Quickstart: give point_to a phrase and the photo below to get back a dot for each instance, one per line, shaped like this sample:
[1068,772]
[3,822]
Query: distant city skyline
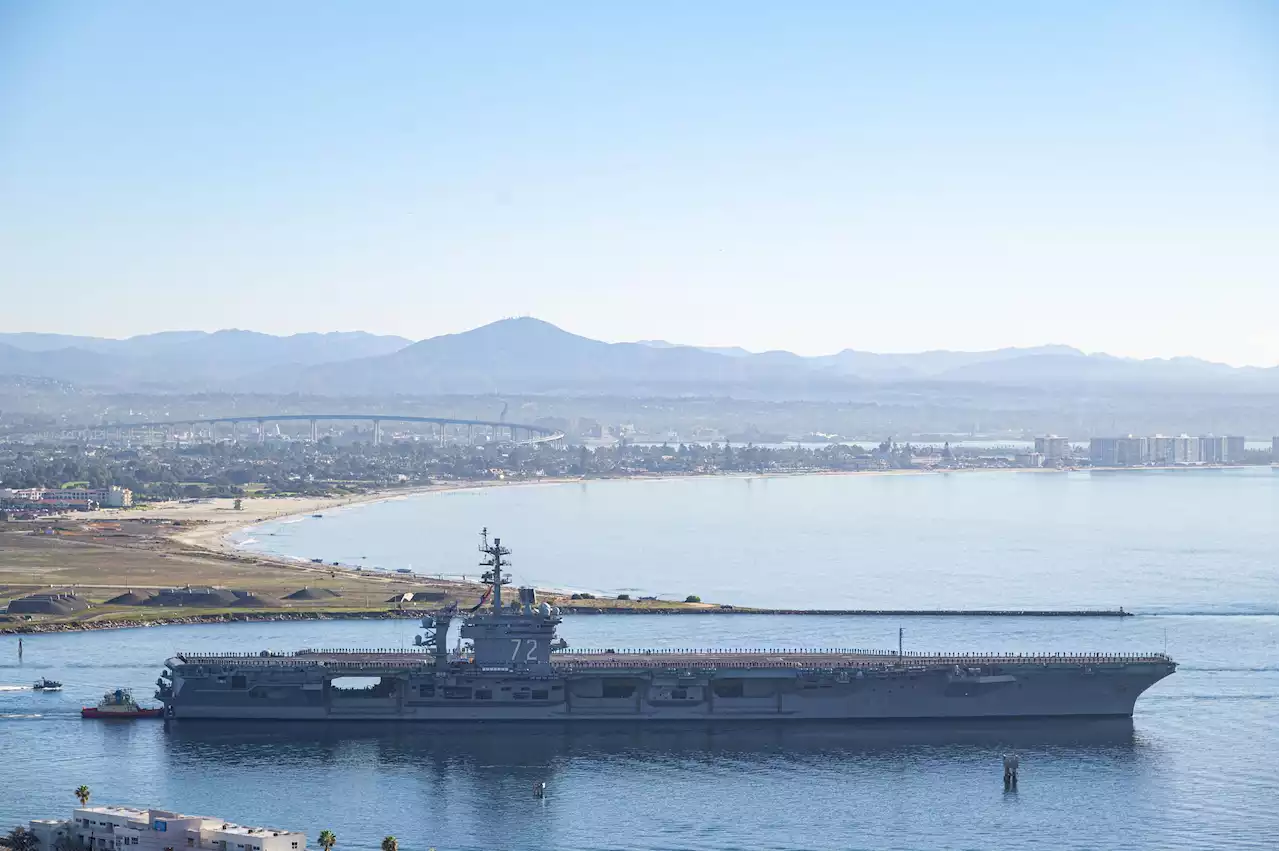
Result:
[807,179]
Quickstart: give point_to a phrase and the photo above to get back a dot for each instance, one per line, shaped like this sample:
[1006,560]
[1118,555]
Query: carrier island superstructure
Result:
[513,668]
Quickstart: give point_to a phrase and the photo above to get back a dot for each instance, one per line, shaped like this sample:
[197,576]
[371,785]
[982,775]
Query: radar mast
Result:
[494,561]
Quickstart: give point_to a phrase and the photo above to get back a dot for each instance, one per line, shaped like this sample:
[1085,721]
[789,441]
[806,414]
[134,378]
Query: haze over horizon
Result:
[835,176]
[5,333]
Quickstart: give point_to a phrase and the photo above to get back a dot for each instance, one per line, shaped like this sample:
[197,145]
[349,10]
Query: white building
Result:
[112,497]
[1160,449]
[1213,449]
[1053,447]
[1235,449]
[1125,451]
[1186,450]
[116,828]
[1173,450]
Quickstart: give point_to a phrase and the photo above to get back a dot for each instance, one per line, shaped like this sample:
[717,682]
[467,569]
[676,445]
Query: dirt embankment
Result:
[151,568]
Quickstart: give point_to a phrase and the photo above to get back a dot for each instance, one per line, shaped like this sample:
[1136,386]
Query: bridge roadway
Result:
[534,433]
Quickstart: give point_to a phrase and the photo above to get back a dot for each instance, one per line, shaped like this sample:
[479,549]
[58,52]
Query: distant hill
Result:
[890,367]
[36,342]
[528,355]
[524,353]
[179,359]
[301,348]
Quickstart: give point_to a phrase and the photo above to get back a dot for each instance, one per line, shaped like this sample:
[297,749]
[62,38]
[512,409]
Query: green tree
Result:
[390,843]
[82,793]
[693,598]
[327,840]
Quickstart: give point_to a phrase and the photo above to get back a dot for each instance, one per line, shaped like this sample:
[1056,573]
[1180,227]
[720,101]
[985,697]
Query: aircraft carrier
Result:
[510,666]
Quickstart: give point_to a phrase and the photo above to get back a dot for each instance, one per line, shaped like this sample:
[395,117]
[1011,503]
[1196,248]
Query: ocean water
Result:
[1150,541]
[1197,768]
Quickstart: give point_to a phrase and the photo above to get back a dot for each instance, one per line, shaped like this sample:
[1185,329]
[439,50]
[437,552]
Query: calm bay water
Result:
[1197,767]
[1168,541]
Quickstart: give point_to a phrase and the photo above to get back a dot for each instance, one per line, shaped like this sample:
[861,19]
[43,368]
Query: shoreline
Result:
[202,531]
[216,540]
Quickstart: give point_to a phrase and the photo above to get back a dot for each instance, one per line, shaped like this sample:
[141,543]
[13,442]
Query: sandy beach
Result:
[209,524]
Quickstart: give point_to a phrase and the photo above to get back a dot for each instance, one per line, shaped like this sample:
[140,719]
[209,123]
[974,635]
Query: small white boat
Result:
[47,685]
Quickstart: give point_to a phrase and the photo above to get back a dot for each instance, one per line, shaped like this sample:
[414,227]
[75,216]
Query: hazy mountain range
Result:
[180,359]
[529,355]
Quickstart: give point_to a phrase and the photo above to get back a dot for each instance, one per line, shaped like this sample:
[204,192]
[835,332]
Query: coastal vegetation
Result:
[327,840]
[277,468]
[82,795]
[335,467]
[20,839]
[390,843]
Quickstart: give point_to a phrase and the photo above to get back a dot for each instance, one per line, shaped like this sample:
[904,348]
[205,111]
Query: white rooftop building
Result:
[117,828]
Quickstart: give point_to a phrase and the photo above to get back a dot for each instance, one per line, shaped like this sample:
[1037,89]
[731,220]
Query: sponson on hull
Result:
[515,668]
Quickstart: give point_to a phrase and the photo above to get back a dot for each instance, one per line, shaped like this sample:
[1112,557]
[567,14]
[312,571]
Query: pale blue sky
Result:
[808,176]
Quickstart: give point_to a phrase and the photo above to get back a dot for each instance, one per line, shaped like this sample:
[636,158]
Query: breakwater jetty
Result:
[910,613]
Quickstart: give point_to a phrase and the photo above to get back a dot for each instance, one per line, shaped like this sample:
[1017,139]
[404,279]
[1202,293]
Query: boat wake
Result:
[15,688]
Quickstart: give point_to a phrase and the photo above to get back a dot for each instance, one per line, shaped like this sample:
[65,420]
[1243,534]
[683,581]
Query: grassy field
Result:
[100,560]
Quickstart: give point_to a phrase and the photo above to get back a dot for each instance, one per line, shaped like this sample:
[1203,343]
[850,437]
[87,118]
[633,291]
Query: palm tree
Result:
[390,843]
[327,840]
[82,792]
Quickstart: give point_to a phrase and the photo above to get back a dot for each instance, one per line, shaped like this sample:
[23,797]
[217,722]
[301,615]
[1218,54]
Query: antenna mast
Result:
[494,561]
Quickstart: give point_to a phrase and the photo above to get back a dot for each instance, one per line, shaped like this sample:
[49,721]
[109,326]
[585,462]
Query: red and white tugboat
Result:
[119,704]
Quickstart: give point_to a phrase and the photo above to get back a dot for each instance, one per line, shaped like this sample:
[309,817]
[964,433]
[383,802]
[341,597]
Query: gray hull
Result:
[228,689]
